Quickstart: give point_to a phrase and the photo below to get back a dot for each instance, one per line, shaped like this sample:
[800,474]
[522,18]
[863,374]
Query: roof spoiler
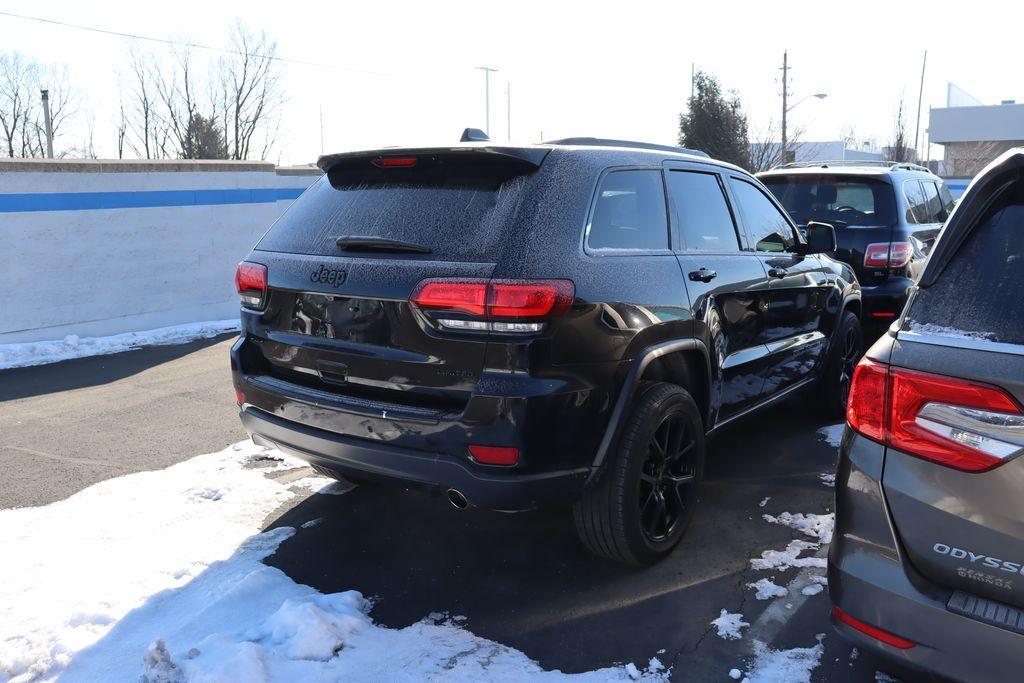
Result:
[607,142]
[981,195]
[410,164]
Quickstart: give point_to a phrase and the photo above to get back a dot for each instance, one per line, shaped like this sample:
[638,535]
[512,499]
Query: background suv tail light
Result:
[888,254]
[948,420]
[481,305]
[251,283]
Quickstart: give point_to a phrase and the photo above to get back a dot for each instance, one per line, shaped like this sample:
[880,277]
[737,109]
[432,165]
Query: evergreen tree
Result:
[715,123]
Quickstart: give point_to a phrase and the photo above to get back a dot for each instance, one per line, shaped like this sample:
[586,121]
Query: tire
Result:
[621,518]
[834,387]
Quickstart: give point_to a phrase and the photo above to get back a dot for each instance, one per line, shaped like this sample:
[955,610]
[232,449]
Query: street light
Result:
[786,110]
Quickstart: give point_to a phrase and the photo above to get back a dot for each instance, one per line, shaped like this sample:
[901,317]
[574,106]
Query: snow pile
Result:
[73,346]
[833,434]
[812,589]
[815,526]
[767,589]
[828,479]
[784,666]
[784,559]
[158,576]
[729,625]
[951,332]
[764,501]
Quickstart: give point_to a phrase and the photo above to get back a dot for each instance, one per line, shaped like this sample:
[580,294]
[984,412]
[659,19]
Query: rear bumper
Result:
[871,580]
[883,303]
[413,469]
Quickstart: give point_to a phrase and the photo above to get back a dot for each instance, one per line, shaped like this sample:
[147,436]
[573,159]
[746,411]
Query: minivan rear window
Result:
[978,292]
[836,199]
[454,221]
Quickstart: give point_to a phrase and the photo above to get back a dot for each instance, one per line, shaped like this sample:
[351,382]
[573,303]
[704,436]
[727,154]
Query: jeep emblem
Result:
[334,277]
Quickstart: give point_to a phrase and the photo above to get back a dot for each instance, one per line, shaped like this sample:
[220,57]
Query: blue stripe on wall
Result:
[85,201]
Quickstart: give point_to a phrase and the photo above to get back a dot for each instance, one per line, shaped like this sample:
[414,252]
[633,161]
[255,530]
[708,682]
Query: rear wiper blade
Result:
[357,243]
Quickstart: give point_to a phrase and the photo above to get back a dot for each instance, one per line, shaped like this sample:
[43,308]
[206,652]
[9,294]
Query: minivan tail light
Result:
[888,254]
[251,283]
[510,306]
[951,421]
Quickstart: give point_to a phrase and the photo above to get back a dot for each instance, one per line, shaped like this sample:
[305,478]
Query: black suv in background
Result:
[886,215]
[927,558]
[534,325]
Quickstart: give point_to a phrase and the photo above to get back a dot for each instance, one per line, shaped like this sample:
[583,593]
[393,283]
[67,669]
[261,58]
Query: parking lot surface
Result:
[522,580]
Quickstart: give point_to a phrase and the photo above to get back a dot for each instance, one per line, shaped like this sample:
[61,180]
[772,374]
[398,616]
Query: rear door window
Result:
[704,216]
[767,227]
[629,212]
[979,290]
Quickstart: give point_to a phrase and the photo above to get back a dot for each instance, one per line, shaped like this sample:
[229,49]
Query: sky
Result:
[404,73]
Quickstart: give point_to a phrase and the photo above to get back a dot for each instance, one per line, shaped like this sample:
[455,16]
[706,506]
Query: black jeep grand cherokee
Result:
[530,325]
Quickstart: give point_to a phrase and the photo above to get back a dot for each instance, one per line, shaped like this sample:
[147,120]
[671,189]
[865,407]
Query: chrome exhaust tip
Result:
[457,500]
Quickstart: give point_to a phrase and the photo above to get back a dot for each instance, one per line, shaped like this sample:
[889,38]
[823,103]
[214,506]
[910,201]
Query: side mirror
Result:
[821,238]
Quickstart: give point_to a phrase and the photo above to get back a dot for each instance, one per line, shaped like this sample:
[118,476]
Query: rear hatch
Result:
[954,475]
[861,208]
[343,261]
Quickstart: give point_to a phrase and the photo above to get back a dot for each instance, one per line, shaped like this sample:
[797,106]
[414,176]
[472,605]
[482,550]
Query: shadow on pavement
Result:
[78,373]
[525,581]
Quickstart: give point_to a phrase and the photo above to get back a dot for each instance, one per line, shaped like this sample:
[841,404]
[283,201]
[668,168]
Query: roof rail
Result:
[605,142]
[891,165]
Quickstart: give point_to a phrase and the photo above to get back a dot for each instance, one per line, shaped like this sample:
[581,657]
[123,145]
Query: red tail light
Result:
[251,283]
[873,631]
[948,420]
[498,305]
[888,254]
[495,455]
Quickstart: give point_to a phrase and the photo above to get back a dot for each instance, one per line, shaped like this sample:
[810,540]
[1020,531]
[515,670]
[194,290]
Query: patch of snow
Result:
[828,478]
[324,485]
[833,434]
[784,559]
[882,677]
[767,589]
[72,346]
[819,579]
[815,526]
[735,674]
[812,589]
[729,625]
[854,653]
[159,577]
[943,331]
[764,501]
[312,523]
[784,666]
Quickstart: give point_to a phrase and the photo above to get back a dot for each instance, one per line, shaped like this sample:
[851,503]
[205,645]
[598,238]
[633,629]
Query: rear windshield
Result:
[453,221]
[839,200]
[979,291]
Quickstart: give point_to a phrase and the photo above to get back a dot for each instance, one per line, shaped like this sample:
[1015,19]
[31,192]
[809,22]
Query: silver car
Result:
[927,562]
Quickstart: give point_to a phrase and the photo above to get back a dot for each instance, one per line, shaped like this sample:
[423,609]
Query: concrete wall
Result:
[95,248]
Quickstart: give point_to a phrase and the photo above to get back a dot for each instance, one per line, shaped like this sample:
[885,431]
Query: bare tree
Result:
[766,151]
[899,149]
[21,113]
[143,130]
[251,94]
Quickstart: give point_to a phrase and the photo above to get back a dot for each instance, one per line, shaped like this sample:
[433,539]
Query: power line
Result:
[182,43]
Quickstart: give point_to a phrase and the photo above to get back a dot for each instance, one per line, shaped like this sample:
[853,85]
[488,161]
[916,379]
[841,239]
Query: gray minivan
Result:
[927,561]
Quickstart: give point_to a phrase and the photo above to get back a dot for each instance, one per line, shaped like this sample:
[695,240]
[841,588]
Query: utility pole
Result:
[508,111]
[49,124]
[487,97]
[920,96]
[785,103]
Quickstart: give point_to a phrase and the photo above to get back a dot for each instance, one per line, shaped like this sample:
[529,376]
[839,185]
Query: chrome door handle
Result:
[703,275]
[778,272]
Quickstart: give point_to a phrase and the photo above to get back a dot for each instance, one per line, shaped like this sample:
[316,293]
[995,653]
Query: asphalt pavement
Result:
[520,579]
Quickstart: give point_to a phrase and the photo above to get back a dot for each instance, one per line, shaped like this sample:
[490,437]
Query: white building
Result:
[973,134]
